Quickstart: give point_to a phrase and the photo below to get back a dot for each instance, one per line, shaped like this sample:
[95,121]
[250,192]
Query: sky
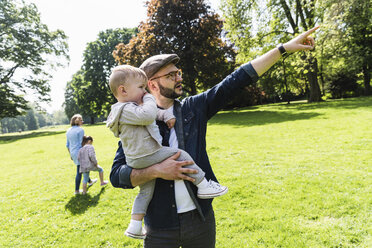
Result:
[82,20]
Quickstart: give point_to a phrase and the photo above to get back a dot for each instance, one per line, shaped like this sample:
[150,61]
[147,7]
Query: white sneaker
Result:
[93,181]
[79,192]
[213,189]
[136,234]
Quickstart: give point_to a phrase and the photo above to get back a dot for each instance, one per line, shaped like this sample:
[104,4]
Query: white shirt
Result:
[183,200]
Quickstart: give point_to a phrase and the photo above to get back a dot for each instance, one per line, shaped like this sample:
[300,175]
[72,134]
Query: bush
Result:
[344,85]
[248,96]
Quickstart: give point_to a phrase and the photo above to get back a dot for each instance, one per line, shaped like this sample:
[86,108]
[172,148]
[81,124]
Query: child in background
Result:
[88,162]
[132,119]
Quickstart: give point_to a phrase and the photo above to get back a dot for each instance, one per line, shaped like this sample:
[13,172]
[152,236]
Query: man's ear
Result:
[152,85]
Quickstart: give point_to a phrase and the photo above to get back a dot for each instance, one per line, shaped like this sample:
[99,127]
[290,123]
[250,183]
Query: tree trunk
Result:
[285,84]
[367,80]
[91,120]
[321,70]
[312,76]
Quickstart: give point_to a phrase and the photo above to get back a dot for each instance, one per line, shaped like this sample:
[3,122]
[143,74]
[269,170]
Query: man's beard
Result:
[168,93]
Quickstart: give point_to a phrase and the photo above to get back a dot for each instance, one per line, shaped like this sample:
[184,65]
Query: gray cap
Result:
[153,64]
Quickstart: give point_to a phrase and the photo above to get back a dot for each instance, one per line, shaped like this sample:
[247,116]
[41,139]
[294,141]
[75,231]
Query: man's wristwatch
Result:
[282,50]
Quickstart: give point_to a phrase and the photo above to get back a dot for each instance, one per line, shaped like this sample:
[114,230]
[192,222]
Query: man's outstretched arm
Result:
[299,43]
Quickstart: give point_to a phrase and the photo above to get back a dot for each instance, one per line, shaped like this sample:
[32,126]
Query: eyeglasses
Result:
[171,75]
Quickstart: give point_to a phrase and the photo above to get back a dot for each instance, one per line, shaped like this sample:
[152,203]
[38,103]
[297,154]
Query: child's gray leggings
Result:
[147,189]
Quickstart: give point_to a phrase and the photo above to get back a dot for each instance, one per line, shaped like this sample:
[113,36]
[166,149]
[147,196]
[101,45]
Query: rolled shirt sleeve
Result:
[120,172]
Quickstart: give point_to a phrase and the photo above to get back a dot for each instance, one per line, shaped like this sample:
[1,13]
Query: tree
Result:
[9,125]
[26,46]
[98,62]
[343,85]
[70,104]
[250,24]
[351,23]
[359,23]
[59,117]
[31,121]
[41,119]
[79,97]
[88,93]
[188,28]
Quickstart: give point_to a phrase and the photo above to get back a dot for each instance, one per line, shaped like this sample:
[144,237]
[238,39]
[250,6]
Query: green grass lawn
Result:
[299,175]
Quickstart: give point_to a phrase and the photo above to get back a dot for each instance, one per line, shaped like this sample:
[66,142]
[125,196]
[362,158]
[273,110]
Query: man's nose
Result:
[178,78]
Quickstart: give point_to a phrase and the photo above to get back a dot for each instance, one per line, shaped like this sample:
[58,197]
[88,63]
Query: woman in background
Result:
[74,137]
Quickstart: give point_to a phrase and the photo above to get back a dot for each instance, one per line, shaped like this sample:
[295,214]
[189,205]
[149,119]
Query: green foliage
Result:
[70,104]
[299,175]
[77,96]
[59,117]
[345,40]
[28,50]
[343,85]
[32,120]
[41,119]
[255,27]
[191,30]
[10,125]
[286,80]
[98,62]
[88,92]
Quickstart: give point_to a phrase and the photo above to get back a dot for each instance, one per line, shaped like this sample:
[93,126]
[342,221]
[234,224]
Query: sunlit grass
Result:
[299,175]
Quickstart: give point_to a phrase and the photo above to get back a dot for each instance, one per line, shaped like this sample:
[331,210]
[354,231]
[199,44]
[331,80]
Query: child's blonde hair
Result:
[122,74]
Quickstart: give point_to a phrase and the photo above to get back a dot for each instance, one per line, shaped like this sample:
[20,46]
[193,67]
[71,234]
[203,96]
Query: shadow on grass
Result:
[254,118]
[78,204]
[250,116]
[346,103]
[11,138]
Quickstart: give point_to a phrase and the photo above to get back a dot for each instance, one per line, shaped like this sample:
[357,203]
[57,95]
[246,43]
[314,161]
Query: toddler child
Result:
[132,119]
[88,162]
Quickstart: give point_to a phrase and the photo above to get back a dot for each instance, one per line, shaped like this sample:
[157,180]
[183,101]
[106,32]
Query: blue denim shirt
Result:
[194,111]
[74,137]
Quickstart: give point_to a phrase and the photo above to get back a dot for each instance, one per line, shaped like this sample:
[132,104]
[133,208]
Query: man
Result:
[175,216]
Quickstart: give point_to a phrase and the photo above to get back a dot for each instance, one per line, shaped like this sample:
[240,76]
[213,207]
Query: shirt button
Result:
[171,185]
[173,206]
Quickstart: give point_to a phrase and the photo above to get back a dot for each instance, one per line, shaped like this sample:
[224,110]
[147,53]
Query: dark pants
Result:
[192,233]
[78,178]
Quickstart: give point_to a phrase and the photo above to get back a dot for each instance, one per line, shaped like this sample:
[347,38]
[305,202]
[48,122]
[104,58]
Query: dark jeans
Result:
[78,178]
[192,233]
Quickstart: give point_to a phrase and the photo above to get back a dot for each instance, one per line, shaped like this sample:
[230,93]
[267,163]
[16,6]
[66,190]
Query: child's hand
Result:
[171,122]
